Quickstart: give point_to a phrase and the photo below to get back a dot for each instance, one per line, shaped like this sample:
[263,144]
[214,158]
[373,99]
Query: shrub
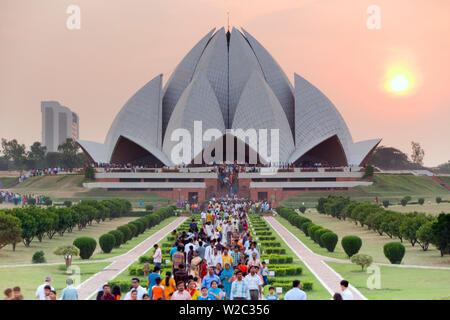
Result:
[305,227]
[86,245]
[404,202]
[133,229]
[312,229]
[386,203]
[31,201]
[38,257]
[139,226]
[318,234]
[47,201]
[368,171]
[361,259]
[329,240]
[143,259]
[394,251]
[149,207]
[438,200]
[302,209]
[127,235]
[118,237]
[421,201]
[68,203]
[351,245]
[107,242]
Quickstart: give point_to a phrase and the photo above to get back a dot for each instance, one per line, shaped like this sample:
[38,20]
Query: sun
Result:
[399,80]
[399,83]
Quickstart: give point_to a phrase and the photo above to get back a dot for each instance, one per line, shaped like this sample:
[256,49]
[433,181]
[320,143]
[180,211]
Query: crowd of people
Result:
[18,198]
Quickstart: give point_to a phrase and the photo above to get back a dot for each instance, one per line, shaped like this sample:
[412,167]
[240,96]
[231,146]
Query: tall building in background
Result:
[58,124]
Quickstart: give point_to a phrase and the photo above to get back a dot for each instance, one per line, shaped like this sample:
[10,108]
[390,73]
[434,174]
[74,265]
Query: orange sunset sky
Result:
[122,44]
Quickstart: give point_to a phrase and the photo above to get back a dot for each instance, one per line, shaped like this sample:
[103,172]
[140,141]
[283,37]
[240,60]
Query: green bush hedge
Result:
[270,250]
[127,235]
[86,245]
[306,285]
[285,270]
[394,251]
[118,237]
[306,226]
[107,242]
[329,240]
[277,259]
[351,245]
[38,257]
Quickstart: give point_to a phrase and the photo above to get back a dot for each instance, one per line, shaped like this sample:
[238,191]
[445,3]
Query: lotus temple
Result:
[228,80]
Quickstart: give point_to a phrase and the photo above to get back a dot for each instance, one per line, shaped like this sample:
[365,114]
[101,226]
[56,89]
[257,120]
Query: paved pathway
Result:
[89,287]
[327,276]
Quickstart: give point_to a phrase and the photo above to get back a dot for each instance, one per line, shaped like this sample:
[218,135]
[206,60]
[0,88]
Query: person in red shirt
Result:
[107,295]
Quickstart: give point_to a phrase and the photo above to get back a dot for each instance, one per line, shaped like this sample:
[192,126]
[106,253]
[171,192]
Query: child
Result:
[204,294]
[158,290]
[265,273]
[197,284]
[272,295]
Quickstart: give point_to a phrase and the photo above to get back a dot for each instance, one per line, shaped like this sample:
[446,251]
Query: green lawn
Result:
[372,242]
[389,187]
[445,179]
[6,181]
[22,255]
[399,283]
[100,255]
[29,278]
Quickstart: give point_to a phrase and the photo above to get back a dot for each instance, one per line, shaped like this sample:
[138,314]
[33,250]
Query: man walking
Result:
[346,293]
[254,284]
[69,292]
[295,293]
[40,293]
[239,289]
[157,256]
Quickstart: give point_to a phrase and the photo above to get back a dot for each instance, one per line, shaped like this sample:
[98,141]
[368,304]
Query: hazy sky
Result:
[122,44]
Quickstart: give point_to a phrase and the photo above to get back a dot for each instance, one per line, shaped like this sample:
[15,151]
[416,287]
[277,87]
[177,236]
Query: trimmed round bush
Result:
[302,209]
[351,245]
[312,229]
[139,225]
[133,229]
[107,242]
[127,235]
[329,240]
[149,207]
[38,257]
[86,245]
[305,227]
[318,234]
[118,237]
[394,251]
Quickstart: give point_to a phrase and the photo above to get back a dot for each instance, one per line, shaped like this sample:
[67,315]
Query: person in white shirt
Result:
[295,293]
[203,217]
[40,292]
[254,284]
[346,293]
[209,250]
[135,285]
[157,256]
[214,259]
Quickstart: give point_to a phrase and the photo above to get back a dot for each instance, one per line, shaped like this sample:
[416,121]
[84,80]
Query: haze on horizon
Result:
[123,44]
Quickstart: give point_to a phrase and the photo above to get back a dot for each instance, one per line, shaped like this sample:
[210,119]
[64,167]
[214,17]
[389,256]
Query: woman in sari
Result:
[193,290]
[195,265]
[203,269]
[225,277]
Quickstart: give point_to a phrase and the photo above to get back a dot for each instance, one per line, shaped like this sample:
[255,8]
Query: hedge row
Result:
[417,228]
[115,238]
[324,237]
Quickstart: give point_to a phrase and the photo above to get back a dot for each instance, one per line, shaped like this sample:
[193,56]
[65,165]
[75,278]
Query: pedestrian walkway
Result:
[316,263]
[90,287]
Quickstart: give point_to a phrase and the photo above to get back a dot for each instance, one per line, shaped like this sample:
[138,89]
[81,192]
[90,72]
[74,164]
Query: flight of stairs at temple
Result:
[437,180]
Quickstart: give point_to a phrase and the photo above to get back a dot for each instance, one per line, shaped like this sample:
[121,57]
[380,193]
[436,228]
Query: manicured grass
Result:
[6,181]
[22,255]
[399,283]
[428,207]
[100,255]
[29,278]
[70,187]
[385,187]
[372,242]
[445,179]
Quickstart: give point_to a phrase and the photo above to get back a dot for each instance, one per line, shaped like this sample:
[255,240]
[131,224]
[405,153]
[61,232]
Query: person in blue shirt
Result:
[151,278]
[215,292]
[272,295]
[173,250]
[209,278]
[295,293]
[204,294]
[69,292]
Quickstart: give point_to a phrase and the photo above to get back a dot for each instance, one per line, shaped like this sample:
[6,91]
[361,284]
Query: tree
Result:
[361,259]
[69,153]
[28,224]
[441,233]
[10,230]
[36,155]
[368,171]
[67,252]
[417,153]
[15,152]
[425,235]
[89,173]
[410,226]
[390,158]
